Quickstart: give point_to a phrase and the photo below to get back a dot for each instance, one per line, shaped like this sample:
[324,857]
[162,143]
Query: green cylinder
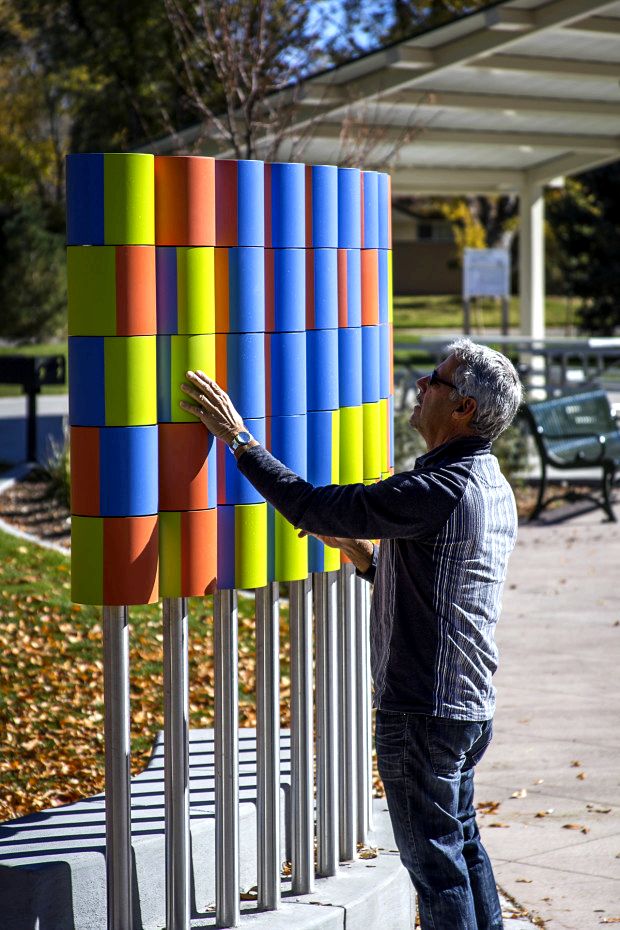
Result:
[129,199]
[130,380]
[251,545]
[196,290]
[351,445]
[87,560]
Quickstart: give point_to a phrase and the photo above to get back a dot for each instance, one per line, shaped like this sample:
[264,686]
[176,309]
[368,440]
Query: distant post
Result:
[486,273]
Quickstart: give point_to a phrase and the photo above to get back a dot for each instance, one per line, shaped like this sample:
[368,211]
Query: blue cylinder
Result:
[321,288]
[85,205]
[323,445]
[285,287]
[246,282]
[286,212]
[322,216]
[322,365]
[350,367]
[244,378]
[349,208]
[86,381]
[384,286]
[370,210]
[371,382]
[232,486]
[286,374]
[128,470]
[250,203]
[385,211]
[287,441]
[385,354]
[349,287]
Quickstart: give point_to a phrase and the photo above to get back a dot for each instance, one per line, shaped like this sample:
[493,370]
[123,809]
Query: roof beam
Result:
[605,25]
[421,97]
[556,66]
[566,164]
[454,181]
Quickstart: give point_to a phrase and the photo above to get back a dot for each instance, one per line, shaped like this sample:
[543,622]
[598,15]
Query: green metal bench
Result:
[572,432]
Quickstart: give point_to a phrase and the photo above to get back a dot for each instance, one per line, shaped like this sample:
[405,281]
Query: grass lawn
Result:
[446,312]
[51,680]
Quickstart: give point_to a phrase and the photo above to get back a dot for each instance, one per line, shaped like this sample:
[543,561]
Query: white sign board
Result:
[486,273]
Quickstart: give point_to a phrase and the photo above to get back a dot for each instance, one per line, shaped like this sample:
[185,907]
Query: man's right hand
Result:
[359,551]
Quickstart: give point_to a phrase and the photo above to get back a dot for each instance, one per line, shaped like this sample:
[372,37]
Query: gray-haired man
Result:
[446,528]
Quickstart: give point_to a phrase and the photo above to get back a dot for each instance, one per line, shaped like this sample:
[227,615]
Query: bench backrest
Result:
[572,415]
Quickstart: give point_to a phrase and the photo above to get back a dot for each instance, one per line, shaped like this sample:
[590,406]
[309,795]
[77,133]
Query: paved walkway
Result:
[551,779]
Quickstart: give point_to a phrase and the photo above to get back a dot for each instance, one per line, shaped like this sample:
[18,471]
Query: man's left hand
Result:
[212,406]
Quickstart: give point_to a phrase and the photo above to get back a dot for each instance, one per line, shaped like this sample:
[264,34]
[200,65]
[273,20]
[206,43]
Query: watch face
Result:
[243,438]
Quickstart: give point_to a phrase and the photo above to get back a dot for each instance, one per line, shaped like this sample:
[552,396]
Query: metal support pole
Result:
[326,612]
[302,777]
[31,424]
[176,763]
[117,767]
[348,724]
[268,745]
[364,777]
[227,912]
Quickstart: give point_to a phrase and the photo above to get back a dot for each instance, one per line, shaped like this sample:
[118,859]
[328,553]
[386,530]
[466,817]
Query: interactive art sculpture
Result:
[275,279]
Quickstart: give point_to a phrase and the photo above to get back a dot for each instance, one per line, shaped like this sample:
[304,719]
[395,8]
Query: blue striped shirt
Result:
[446,528]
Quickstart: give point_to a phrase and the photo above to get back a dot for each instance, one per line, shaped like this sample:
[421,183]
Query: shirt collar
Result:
[453,450]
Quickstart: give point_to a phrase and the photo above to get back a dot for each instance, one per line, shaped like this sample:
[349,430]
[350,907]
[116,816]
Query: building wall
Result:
[425,268]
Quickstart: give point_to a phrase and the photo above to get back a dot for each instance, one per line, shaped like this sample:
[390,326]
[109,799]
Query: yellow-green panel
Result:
[351,445]
[384,407]
[250,545]
[390,289]
[335,476]
[196,290]
[372,440]
[130,380]
[87,560]
[188,353]
[332,561]
[129,199]
[91,290]
[169,554]
[291,552]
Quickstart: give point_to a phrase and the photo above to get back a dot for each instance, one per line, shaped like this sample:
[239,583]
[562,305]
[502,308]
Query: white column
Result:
[532,260]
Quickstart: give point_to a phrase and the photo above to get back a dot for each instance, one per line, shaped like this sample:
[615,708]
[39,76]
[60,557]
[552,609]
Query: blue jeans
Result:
[427,767]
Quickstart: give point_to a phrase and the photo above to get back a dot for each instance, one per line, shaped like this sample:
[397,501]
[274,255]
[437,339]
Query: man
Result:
[446,528]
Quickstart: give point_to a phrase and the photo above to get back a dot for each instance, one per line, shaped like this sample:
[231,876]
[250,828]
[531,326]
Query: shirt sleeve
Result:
[412,504]
[371,571]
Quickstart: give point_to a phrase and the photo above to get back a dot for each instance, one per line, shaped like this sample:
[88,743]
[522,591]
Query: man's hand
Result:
[358,550]
[212,406]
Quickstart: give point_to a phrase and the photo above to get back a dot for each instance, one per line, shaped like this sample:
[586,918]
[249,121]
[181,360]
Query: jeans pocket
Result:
[390,736]
[448,743]
[482,744]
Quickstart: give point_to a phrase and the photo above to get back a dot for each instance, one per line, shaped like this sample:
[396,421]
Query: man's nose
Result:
[423,381]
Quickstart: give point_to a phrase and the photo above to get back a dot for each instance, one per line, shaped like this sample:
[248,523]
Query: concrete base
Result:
[52,864]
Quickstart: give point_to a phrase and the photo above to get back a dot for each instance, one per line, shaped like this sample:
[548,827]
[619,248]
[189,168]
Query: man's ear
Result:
[465,411]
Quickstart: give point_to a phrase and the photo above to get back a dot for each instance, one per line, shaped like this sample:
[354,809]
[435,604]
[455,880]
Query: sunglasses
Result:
[435,379]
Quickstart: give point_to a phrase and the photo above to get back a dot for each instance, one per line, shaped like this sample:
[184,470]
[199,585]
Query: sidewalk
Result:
[549,787]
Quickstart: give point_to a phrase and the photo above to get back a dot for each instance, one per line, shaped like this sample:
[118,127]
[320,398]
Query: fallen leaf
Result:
[582,776]
[367,852]
[598,810]
[610,920]
[572,826]
[544,813]
[585,829]
[539,781]
[488,807]
[521,793]
[525,881]
[575,763]
[498,824]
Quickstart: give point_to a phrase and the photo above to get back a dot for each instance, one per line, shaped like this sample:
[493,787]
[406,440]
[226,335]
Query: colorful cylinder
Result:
[110,199]
[114,471]
[184,200]
[103,374]
[240,203]
[114,560]
[285,289]
[285,365]
[175,356]
[285,213]
[321,207]
[288,554]
[232,486]
[385,285]
[371,380]
[372,441]
[321,289]
[385,211]
[349,208]
[242,546]
[187,553]
[239,290]
[351,445]
[370,210]
[240,371]
[384,434]
[111,290]
[185,290]
[370,287]
[350,367]
[322,368]
[349,287]
[187,467]
[386,365]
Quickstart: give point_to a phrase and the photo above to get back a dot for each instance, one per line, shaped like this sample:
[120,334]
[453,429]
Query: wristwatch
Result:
[243,438]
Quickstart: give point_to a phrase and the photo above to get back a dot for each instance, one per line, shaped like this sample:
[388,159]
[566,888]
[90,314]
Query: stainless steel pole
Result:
[117,767]
[268,745]
[326,612]
[363,712]
[227,912]
[348,723]
[302,776]
[368,604]
[176,763]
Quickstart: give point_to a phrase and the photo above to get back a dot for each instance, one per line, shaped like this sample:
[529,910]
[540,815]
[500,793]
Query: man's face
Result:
[433,410]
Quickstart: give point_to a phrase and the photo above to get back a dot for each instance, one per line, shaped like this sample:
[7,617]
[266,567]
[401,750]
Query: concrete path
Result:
[550,782]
